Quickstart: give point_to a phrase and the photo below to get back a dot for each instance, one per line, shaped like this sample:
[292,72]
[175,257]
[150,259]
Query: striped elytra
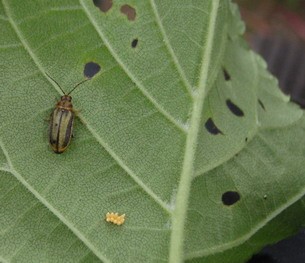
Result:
[61,121]
[61,124]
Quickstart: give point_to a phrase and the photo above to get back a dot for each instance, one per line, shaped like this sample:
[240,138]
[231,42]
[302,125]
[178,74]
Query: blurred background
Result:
[276,30]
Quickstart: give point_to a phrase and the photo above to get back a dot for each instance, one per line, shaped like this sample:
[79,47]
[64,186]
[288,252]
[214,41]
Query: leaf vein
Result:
[19,177]
[170,49]
[247,236]
[140,86]
[104,144]
[120,162]
[52,208]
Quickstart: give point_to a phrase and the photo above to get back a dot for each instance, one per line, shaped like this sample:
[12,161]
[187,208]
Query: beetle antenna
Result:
[55,82]
[78,85]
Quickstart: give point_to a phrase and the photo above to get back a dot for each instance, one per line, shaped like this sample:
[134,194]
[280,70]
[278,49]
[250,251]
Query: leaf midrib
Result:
[177,236]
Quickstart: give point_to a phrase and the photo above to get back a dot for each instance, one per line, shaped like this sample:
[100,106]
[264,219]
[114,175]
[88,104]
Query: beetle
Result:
[61,122]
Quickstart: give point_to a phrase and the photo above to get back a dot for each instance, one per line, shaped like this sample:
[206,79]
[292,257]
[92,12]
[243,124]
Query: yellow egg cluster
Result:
[115,218]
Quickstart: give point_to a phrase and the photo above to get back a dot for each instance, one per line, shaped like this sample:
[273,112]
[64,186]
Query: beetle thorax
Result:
[65,102]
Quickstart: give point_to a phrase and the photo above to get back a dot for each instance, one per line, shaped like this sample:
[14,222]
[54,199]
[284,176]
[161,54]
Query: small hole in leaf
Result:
[261,104]
[129,11]
[230,198]
[246,139]
[211,127]
[226,74]
[91,68]
[103,5]
[234,108]
[134,43]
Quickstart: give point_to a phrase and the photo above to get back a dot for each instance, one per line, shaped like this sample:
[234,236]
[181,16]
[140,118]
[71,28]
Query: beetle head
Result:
[66,98]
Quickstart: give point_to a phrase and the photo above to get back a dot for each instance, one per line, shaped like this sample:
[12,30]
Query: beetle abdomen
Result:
[61,127]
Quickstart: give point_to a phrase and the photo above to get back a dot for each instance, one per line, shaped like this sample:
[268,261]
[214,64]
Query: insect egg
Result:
[115,218]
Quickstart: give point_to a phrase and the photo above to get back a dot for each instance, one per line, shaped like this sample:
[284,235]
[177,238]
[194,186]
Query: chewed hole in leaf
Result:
[230,198]
[103,5]
[129,11]
[211,127]
[261,104]
[246,139]
[91,68]
[234,108]
[134,43]
[226,74]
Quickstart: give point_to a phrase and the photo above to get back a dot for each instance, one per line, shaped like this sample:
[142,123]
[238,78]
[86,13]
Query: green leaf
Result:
[31,233]
[180,113]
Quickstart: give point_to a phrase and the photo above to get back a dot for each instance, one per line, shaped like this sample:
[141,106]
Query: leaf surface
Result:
[180,113]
